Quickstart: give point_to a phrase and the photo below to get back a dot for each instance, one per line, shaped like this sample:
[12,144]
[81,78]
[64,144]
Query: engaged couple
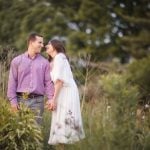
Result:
[32,76]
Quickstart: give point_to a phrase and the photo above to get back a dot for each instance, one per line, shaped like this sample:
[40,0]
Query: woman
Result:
[66,125]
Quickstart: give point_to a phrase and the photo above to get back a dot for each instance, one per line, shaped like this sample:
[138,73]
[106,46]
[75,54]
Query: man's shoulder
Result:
[43,58]
[16,59]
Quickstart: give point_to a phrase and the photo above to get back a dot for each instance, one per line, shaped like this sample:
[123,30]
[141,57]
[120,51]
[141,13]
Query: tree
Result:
[133,26]
[103,28]
[83,29]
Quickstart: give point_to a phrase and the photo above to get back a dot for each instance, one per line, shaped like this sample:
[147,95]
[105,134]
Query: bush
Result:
[110,122]
[138,74]
[120,104]
[18,130]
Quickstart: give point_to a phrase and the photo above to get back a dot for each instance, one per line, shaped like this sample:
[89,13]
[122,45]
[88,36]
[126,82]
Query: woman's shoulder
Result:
[60,56]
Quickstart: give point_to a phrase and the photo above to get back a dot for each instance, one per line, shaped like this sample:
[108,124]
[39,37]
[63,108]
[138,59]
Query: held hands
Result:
[51,105]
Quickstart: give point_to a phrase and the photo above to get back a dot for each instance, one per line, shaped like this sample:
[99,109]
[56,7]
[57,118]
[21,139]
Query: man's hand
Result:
[14,107]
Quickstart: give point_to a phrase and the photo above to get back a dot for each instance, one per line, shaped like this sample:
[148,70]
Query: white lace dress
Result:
[66,124]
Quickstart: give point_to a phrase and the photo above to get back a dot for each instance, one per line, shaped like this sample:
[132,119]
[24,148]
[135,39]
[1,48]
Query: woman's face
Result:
[49,49]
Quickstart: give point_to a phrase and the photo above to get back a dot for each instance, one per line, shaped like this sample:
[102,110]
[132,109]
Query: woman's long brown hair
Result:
[58,46]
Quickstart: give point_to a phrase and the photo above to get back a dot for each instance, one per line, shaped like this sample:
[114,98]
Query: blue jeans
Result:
[35,104]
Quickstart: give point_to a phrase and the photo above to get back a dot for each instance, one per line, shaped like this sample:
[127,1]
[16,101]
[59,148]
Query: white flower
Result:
[146,106]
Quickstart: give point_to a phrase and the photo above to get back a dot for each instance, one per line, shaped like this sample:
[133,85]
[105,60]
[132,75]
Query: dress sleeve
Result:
[60,69]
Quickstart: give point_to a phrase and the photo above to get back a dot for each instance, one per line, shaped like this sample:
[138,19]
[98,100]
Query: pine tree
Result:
[133,25]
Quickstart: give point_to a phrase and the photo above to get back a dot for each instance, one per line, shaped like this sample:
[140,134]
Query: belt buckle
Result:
[25,96]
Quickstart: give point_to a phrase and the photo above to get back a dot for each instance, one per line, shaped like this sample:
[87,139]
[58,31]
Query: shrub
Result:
[18,130]
[138,73]
[110,122]
[120,103]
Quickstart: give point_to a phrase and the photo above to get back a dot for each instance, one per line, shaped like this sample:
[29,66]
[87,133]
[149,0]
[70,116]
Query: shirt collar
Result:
[27,55]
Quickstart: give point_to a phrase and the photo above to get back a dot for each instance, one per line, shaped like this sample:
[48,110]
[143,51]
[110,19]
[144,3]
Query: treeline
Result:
[102,28]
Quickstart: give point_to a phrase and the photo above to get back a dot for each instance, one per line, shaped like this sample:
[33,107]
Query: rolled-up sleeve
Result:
[60,70]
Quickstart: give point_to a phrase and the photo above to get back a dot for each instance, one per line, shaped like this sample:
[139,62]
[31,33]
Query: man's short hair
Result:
[32,37]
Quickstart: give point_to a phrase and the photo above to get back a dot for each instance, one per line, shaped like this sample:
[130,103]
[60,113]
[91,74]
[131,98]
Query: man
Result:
[29,78]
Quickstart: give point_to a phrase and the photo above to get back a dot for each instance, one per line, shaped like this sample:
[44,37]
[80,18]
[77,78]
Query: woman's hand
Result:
[51,105]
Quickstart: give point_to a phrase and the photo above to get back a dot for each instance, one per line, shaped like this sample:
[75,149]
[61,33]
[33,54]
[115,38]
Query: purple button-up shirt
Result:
[29,75]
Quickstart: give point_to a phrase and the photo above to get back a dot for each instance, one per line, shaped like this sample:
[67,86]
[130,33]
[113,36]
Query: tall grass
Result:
[6,55]
[108,103]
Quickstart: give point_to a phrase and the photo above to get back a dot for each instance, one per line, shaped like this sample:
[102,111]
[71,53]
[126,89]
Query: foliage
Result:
[108,112]
[46,130]
[138,74]
[6,55]
[104,29]
[120,99]
[18,130]
[109,119]
[132,24]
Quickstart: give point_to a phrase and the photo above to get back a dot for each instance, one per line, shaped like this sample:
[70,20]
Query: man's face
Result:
[37,44]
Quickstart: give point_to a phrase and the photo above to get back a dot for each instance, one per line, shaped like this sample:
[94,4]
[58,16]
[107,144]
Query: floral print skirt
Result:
[66,124]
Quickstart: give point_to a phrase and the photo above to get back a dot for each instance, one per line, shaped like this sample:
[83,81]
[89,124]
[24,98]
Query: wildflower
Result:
[146,106]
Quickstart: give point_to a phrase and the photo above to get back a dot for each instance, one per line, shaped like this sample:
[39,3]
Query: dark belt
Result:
[27,95]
